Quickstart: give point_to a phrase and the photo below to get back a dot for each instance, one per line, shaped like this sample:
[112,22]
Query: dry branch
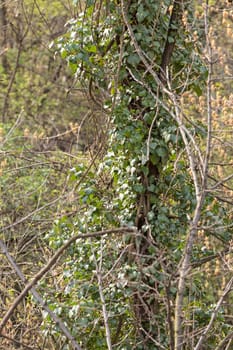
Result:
[52,262]
[38,298]
[226,291]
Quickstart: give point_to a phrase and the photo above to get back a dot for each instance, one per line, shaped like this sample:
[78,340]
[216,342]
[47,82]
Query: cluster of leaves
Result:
[132,153]
[145,157]
[35,108]
[143,180]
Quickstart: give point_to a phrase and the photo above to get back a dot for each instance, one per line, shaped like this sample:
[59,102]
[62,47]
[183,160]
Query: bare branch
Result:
[185,265]
[223,345]
[177,116]
[54,201]
[18,343]
[211,257]
[37,296]
[102,298]
[221,182]
[139,51]
[227,289]
[52,262]
[184,269]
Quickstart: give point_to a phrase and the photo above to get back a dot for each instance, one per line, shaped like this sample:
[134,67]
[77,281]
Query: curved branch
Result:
[227,290]
[52,262]
[38,298]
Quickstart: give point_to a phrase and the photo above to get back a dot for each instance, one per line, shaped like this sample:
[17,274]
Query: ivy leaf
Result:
[153,145]
[133,59]
[171,39]
[197,89]
[154,158]
[141,14]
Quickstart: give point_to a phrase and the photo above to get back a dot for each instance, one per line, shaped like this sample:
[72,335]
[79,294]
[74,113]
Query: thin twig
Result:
[227,289]
[54,201]
[12,128]
[221,182]
[18,343]
[185,265]
[227,339]
[52,262]
[37,296]
[102,298]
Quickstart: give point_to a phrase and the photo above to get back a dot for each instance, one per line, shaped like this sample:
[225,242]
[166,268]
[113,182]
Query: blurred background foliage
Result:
[66,167]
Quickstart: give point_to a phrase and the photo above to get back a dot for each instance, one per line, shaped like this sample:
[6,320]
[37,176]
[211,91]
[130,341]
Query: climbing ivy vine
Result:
[136,60]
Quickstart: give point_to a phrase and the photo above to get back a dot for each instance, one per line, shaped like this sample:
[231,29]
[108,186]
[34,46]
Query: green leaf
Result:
[92,48]
[154,158]
[162,152]
[133,59]
[141,13]
[153,145]
[197,89]
[171,39]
